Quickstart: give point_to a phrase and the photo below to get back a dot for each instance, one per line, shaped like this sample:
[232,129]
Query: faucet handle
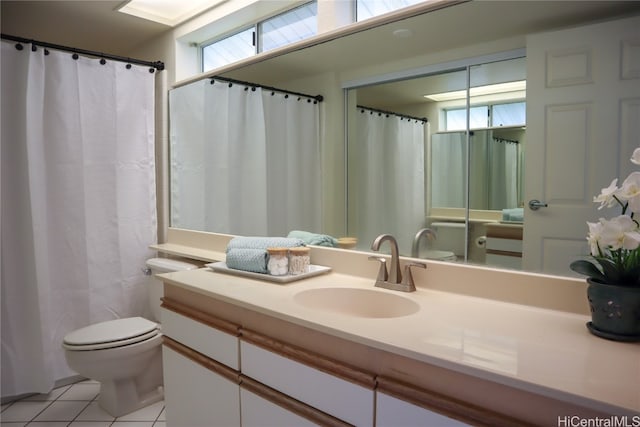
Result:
[407,279]
[382,272]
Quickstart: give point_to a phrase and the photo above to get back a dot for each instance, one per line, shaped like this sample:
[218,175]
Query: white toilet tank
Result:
[450,237]
[155,287]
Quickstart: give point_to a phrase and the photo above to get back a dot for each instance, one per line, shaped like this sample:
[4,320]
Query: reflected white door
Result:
[583,122]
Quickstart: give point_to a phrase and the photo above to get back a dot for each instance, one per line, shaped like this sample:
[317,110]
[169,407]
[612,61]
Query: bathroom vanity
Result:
[504,245]
[334,350]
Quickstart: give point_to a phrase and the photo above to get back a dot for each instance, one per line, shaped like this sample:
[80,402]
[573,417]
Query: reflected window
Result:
[485,116]
[366,9]
[295,25]
[512,114]
[456,118]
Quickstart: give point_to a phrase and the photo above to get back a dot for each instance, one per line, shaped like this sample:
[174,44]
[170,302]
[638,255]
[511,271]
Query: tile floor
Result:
[75,405]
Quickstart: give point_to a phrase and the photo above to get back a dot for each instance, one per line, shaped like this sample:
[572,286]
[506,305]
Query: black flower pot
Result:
[615,311]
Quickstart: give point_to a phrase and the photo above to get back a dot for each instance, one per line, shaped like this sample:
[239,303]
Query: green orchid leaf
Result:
[611,271]
[587,268]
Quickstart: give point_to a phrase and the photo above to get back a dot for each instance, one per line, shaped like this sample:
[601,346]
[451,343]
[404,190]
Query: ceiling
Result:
[91,25]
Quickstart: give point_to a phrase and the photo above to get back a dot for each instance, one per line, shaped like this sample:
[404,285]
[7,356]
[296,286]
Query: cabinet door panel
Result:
[259,412]
[394,412]
[340,398]
[196,396]
[207,340]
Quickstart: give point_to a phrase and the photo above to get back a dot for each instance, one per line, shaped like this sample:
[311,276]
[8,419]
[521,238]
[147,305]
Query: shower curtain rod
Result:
[317,98]
[402,116]
[158,65]
[508,141]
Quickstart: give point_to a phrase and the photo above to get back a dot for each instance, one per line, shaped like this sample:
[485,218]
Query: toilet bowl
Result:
[450,244]
[124,355]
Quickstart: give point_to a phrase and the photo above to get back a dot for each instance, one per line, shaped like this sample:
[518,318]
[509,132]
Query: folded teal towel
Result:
[514,214]
[250,253]
[314,238]
[263,243]
[254,260]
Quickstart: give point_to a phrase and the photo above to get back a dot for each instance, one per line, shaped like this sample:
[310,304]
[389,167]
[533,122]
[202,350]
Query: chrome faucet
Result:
[415,248]
[393,279]
[394,270]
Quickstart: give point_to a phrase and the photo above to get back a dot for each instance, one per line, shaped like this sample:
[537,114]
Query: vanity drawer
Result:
[263,406]
[504,245]
[341,398]
[205,338]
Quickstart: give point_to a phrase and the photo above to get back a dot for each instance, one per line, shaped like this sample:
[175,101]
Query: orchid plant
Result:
[615,243]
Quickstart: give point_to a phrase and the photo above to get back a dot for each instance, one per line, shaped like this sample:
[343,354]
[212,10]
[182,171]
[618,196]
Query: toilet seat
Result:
[110,334]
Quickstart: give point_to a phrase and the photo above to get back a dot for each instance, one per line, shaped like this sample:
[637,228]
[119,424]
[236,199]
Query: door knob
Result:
[536,204]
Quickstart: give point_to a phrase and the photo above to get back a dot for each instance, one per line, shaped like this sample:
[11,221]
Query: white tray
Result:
[314,270]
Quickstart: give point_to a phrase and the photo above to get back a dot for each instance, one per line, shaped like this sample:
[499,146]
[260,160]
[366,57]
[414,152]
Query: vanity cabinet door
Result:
[213,337]
[259,412]
[345,400]
[196,396]
[393,412]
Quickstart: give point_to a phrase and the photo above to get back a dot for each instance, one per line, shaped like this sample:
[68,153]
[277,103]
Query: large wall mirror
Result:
[461,172]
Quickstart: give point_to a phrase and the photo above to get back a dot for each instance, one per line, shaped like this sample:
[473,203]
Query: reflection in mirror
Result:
[495,167]
[386,176]
[461,178]
[390,194]
[244,160]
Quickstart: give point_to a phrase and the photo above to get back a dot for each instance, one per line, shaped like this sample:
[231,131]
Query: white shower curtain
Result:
[244,161]
[493,166]
[78,204]
[387,178]
[503,179]
[448,170]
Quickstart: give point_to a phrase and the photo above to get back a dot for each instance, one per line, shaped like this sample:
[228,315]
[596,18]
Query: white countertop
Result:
[538,350]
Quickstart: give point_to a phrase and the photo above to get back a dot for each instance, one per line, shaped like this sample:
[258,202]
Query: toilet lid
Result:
[112,333]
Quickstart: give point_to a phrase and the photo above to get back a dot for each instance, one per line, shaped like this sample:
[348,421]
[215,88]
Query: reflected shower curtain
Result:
[448,170]
[78,204]
[239,156]
[493,166]
[388,179]
[235,148]
[503,177]
[292,129]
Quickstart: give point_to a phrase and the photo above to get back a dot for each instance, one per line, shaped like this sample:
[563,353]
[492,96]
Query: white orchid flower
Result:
[632,240]
[605,198]
[635,157]
[595,229]
[630,191]
[619,233]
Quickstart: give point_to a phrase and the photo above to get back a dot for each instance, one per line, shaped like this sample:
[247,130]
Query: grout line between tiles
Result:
[79,412]
[36,415]
[88,402]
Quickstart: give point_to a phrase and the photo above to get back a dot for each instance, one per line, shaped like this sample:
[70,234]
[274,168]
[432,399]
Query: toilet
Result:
[125,355]
[449,243]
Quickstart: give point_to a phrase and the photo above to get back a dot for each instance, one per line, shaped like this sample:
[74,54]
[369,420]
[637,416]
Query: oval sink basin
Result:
[357,302]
